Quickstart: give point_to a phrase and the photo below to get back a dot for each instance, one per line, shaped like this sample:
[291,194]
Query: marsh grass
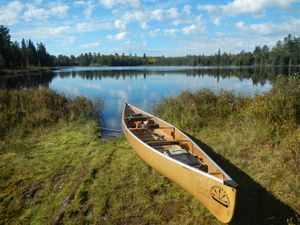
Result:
[22,111]
[259,135]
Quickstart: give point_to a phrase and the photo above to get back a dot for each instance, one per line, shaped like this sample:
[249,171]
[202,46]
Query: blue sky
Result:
[178,27]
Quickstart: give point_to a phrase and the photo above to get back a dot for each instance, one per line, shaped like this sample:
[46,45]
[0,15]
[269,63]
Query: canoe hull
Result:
[217,197]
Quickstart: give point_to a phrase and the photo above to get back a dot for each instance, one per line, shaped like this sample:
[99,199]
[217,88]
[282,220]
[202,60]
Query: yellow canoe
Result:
[176,156]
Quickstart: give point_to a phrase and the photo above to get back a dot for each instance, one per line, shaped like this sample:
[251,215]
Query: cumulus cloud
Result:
[217,21]
[157,14]
[71,39]
[59,30]
[270,28]
[89,8]
[120,24]
[187,9]
[236,7]
[253,7]
[154,33]
[173,13]
[93,26]
[144,25]
[9,14]
[171,32]
[189,29]
[112,3]
[117,37]
[209,8]
[58,10]
[91,45]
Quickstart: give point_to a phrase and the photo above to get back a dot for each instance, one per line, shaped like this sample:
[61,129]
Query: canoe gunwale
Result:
[225,181]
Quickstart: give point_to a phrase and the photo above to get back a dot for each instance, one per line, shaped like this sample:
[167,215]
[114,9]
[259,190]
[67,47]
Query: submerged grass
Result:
[257,138]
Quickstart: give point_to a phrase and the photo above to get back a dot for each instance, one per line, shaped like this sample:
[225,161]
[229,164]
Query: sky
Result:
[169,28]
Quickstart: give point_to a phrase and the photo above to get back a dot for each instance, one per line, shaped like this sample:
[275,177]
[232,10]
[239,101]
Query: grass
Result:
[29,70]
[55,170]
[112,185]
[256,138]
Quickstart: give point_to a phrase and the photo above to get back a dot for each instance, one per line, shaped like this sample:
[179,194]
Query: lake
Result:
[144,86]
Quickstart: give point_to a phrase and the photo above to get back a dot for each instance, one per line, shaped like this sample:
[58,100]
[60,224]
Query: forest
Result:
[285,52]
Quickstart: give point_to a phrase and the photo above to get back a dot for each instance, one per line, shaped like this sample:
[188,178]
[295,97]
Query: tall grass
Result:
[24,110]
[260,135]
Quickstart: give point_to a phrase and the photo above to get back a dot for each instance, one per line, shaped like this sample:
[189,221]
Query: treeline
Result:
[15,55]
[284,53]
[24,55]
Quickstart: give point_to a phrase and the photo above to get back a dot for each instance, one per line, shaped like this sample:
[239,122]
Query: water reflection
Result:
[146,86]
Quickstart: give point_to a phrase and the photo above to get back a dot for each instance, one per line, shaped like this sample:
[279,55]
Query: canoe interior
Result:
[163,137]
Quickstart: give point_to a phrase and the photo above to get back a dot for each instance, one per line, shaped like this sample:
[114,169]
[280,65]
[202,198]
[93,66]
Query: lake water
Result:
[144,86]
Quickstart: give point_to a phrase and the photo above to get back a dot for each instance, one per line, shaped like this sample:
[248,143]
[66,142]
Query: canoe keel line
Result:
[176,156]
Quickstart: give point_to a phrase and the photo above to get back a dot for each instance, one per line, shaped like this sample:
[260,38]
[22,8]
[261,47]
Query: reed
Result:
[24,110]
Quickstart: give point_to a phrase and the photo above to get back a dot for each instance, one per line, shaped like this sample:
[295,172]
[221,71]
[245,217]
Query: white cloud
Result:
[117,37]
[144,25]
[33,12]
[91,45]
[154,33]
[270,28]
[255,8]
[217,21]
[171,32]
[112,3]
[187,9]
[93,26]
[157,14]
[120,24]
[59,30]
[177,22]
[9,14]
[59,10]
[173,13]
[240,25]
[89,8]
[189,29]
[71,39]
[209,8]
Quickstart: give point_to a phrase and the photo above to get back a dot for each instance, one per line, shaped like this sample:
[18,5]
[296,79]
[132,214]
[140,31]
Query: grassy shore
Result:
[26,71]
[255,139]
[55,169]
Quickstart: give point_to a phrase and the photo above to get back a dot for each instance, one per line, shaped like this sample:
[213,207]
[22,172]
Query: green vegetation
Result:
[14,55]
[22,111]
[55,170]
[255,139]
[284,53]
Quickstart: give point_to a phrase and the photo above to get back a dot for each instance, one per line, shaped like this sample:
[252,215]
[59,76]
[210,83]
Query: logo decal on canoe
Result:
[219,195]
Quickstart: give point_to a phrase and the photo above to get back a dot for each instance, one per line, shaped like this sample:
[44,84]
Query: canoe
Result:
[176,156]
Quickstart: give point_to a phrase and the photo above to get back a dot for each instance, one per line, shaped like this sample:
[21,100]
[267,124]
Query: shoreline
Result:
[27,71]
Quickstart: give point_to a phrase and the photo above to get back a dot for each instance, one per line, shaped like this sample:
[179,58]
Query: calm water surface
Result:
[145,86]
